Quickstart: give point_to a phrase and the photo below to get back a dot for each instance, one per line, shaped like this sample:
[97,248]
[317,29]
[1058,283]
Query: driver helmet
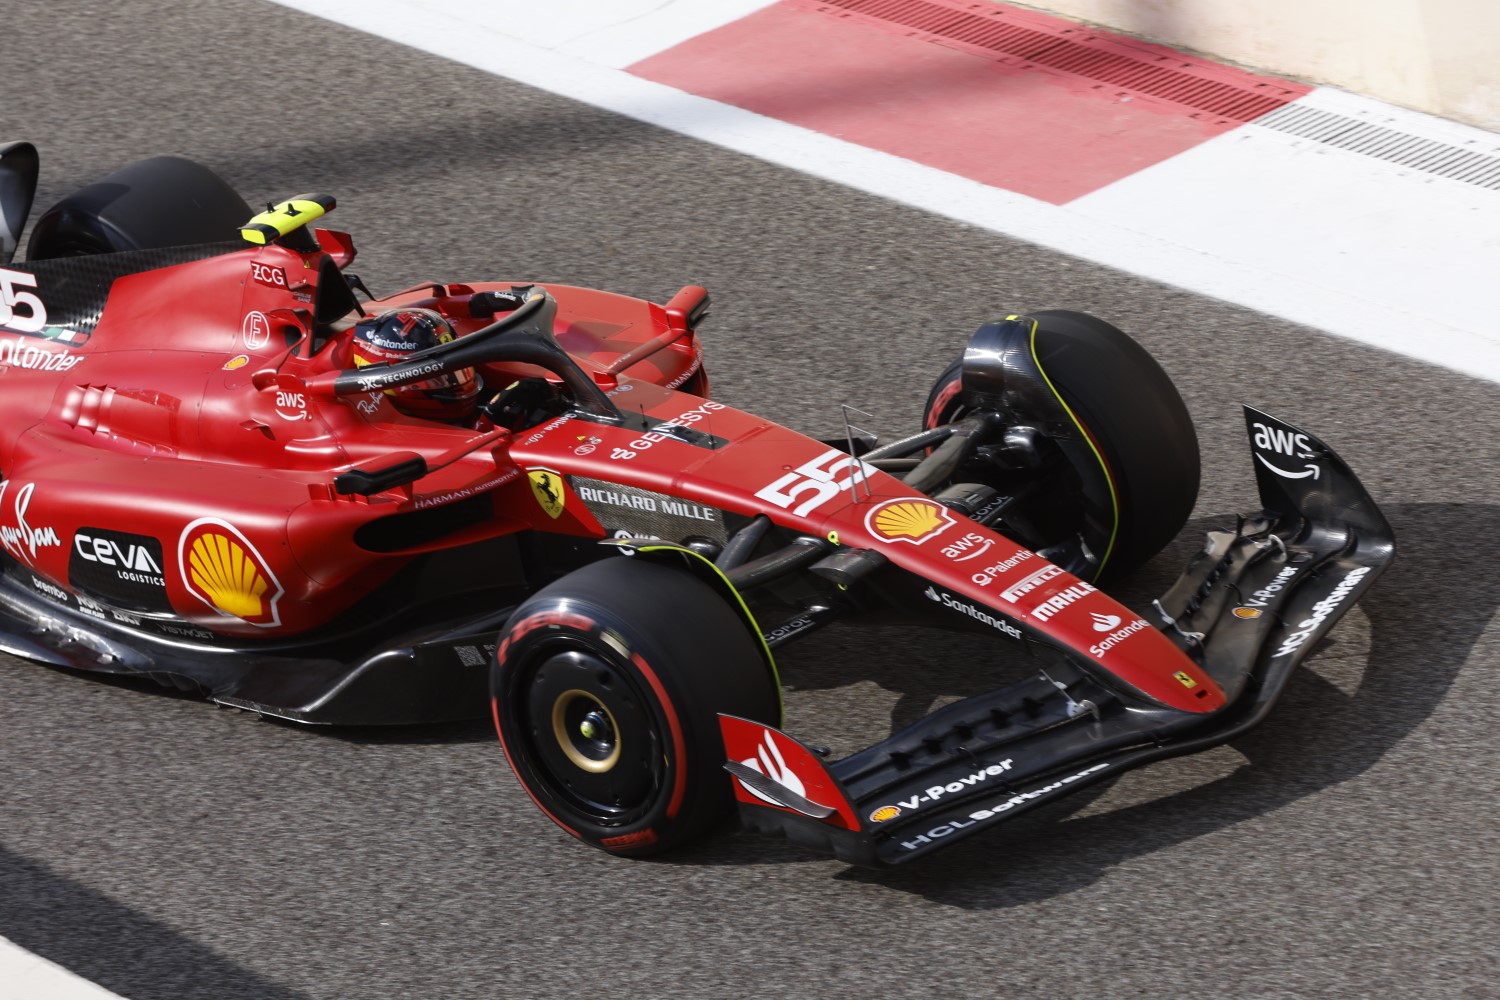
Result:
[396,335]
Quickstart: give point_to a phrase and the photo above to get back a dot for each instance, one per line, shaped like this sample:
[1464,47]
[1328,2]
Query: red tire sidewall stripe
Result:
[679,745]
[945,395]
[495,711]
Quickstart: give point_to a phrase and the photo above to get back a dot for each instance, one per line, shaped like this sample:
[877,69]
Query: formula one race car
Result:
[223,470]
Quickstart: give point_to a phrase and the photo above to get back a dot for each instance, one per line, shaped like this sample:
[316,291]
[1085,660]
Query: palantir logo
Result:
[1103,623]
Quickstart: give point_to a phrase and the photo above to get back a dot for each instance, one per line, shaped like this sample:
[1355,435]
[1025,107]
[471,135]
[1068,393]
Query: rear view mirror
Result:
[18,173]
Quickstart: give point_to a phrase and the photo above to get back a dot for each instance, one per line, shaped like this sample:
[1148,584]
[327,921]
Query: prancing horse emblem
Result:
[547,487]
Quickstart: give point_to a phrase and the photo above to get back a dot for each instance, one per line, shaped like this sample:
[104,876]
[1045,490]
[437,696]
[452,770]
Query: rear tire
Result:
[607,687]
[166,201]
[1131,412]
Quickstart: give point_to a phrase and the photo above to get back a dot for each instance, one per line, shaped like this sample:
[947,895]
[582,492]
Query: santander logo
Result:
[1103,623]
[769,761]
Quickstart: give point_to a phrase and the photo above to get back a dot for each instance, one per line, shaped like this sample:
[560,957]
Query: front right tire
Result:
[165,201]
[1127,487]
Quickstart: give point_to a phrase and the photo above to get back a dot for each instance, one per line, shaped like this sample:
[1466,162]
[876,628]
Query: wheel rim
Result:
[592,738]
[586,731]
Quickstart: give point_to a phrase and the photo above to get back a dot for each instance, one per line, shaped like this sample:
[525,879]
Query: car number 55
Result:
[35,316]
[819,480]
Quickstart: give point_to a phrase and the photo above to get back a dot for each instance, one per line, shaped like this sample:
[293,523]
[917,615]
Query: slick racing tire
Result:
[606,689]
[166,201]
[1141,450]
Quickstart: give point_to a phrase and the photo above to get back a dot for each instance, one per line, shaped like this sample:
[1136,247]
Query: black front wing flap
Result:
[1248,608]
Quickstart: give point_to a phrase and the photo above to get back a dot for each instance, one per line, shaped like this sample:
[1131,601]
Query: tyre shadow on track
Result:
[1316,737]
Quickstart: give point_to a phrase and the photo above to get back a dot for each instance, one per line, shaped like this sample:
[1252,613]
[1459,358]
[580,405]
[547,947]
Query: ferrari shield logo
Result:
[547,487]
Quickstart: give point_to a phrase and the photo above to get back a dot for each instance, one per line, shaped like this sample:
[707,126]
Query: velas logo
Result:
[910,520]
[223,570]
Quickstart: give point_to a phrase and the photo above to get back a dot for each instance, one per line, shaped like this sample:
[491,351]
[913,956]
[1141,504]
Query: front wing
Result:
[1248,608]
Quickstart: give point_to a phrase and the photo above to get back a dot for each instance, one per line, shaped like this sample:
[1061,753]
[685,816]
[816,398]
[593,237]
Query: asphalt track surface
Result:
[162,847]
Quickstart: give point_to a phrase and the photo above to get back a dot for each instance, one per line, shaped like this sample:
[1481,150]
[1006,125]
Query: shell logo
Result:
[910,520]
[237,362]
[1247,613]
[885,813]
[223,570]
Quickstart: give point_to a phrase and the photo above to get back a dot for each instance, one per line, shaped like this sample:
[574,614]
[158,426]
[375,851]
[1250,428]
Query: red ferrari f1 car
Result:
[224,470]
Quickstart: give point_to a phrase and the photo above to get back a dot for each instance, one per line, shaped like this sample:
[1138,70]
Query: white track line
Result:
[1354,245]
[1351,245]
[24,976]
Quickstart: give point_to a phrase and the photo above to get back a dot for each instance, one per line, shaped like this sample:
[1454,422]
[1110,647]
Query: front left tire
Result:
[606,690]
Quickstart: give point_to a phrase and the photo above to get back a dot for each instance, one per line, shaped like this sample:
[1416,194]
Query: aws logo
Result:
[223,570]
[1285,443]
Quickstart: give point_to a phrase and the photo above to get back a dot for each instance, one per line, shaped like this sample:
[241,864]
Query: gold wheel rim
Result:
[565,737]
